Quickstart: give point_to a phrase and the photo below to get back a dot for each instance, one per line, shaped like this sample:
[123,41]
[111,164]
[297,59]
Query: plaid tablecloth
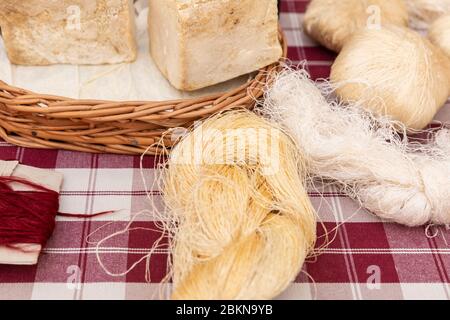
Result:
[368,259]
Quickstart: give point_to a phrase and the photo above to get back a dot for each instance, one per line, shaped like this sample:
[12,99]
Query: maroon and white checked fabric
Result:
[368,259]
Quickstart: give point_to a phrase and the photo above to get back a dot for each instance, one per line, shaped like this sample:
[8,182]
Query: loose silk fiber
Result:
[333,22]
[399,181]
[242,221]
[439,33]
[395,72]
[424,12]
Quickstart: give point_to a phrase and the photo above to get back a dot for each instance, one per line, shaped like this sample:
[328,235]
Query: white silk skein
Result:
[332,23]
[439,33]
[423,12]
[396,72]
[397,180]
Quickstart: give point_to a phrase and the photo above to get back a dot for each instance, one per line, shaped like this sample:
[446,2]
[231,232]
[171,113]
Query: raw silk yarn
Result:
[423,12]
[240,220]
[403,182]
[393,71]
[439,33]
[332,23]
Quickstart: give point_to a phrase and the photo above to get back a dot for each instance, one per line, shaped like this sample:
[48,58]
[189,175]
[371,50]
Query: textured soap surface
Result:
[198,43]
[44,32]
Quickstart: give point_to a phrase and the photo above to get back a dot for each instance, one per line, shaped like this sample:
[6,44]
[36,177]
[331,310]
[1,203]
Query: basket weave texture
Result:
[35,120]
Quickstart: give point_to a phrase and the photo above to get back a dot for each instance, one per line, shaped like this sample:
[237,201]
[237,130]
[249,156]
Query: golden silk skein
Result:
[332,23]
[395,72]
[439,33]
[423,12]
[243,223]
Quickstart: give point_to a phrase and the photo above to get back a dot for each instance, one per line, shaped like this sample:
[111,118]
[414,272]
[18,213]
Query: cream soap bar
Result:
[199,43]
[44,32]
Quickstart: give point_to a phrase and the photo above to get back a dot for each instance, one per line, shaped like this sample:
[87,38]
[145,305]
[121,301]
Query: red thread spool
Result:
[26,216]
[29,216]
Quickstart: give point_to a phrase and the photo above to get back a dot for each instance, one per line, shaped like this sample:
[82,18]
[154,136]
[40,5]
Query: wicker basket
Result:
[36,120]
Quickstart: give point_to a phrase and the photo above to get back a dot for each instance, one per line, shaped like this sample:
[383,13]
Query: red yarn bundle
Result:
[29,216]
[26,216]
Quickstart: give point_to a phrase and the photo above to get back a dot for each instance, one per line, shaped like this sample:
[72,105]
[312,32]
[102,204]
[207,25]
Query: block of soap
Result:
[199,43]
[44,32]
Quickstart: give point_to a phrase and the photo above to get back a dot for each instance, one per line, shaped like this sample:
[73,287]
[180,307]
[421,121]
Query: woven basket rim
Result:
[35,120]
